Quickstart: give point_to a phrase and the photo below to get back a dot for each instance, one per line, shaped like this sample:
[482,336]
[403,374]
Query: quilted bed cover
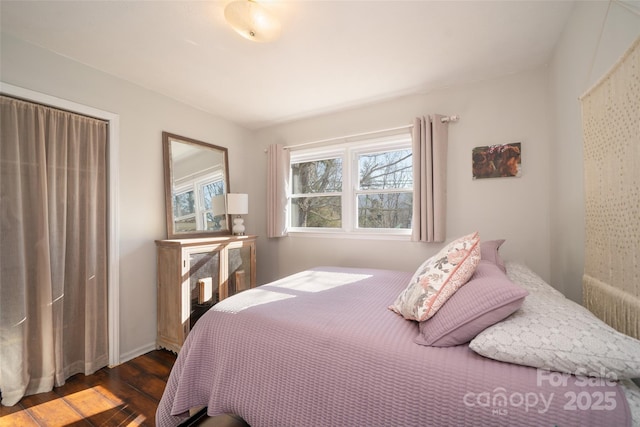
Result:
[321,348]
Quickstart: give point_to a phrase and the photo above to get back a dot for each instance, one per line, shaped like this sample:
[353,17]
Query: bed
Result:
[323,348]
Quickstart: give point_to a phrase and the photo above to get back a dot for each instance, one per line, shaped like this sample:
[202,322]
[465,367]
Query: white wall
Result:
[143,117]
[510,109]
[597,34]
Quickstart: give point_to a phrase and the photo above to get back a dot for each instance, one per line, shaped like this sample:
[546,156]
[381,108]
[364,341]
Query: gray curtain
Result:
[53,249]
[429,145]
[278,165]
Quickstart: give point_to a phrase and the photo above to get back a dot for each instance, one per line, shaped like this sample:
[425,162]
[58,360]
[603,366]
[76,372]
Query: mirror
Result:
[196,181]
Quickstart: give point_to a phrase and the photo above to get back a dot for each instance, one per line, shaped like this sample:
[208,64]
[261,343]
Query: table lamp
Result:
[238,204]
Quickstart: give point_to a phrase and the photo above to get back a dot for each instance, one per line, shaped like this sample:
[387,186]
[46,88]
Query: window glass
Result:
[380,177]
[319,176]
[313,204]
[184,204]
[389,169]
[184,211]
[385,210]
[322,212]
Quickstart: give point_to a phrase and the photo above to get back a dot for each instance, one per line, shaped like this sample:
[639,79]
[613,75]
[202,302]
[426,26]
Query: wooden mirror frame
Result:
[169,183]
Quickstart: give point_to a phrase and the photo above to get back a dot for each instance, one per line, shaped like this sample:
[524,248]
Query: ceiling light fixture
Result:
[252,21]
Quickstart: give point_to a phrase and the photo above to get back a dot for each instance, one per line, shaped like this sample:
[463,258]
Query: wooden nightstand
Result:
[195,274]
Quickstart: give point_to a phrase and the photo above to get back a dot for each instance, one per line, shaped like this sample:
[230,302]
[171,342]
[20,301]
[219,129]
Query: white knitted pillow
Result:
[554,333]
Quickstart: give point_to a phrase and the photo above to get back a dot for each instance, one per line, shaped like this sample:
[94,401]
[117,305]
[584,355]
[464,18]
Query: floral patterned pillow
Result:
[438,278]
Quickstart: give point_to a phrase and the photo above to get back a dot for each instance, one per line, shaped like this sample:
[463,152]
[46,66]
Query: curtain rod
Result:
[52,107]
[445,119]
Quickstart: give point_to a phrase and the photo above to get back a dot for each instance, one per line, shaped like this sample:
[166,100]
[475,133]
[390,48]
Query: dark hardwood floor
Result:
[126,395]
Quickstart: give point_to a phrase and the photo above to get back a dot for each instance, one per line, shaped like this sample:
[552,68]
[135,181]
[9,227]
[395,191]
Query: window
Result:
[384,192]
[198,202]
[184,208]
[359,187]
[317,185]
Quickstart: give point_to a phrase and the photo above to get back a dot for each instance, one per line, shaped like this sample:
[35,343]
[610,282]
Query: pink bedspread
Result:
[320,348]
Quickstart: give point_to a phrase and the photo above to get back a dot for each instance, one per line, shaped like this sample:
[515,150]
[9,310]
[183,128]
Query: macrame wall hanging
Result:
[611,128]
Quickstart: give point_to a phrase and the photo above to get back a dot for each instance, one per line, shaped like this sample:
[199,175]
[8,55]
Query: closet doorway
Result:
[58,293]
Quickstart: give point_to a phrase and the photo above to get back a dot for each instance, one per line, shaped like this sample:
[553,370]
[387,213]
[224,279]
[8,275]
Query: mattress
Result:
[321,348]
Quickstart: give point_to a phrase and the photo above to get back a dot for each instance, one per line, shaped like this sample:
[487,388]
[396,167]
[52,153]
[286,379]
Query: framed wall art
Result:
[497,161]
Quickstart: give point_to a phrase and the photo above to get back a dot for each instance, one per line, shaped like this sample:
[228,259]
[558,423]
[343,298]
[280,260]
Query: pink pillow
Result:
[438,278]
[489,252]
[487,298]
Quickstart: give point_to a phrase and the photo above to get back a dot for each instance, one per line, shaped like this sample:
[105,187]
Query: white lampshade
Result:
[237,204]
[217,205]
[252,21]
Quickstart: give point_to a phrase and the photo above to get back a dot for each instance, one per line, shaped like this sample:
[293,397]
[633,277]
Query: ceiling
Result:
[330,55]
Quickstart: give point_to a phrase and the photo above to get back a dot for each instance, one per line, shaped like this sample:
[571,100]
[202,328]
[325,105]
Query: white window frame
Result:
[349,152]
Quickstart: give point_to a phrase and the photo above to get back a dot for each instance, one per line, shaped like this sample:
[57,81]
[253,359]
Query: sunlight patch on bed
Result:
[250,298]
[318,281]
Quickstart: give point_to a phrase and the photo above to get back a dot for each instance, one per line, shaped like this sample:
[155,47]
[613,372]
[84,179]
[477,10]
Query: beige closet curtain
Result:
[53,250]
[429,145]
[278,165]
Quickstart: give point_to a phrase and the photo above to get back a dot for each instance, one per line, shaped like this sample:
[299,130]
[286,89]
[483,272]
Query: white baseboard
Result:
[125,357]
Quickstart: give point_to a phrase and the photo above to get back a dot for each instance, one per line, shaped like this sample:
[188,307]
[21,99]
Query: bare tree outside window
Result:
[361,186]
[313,183]
[385,197]
[184,210]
